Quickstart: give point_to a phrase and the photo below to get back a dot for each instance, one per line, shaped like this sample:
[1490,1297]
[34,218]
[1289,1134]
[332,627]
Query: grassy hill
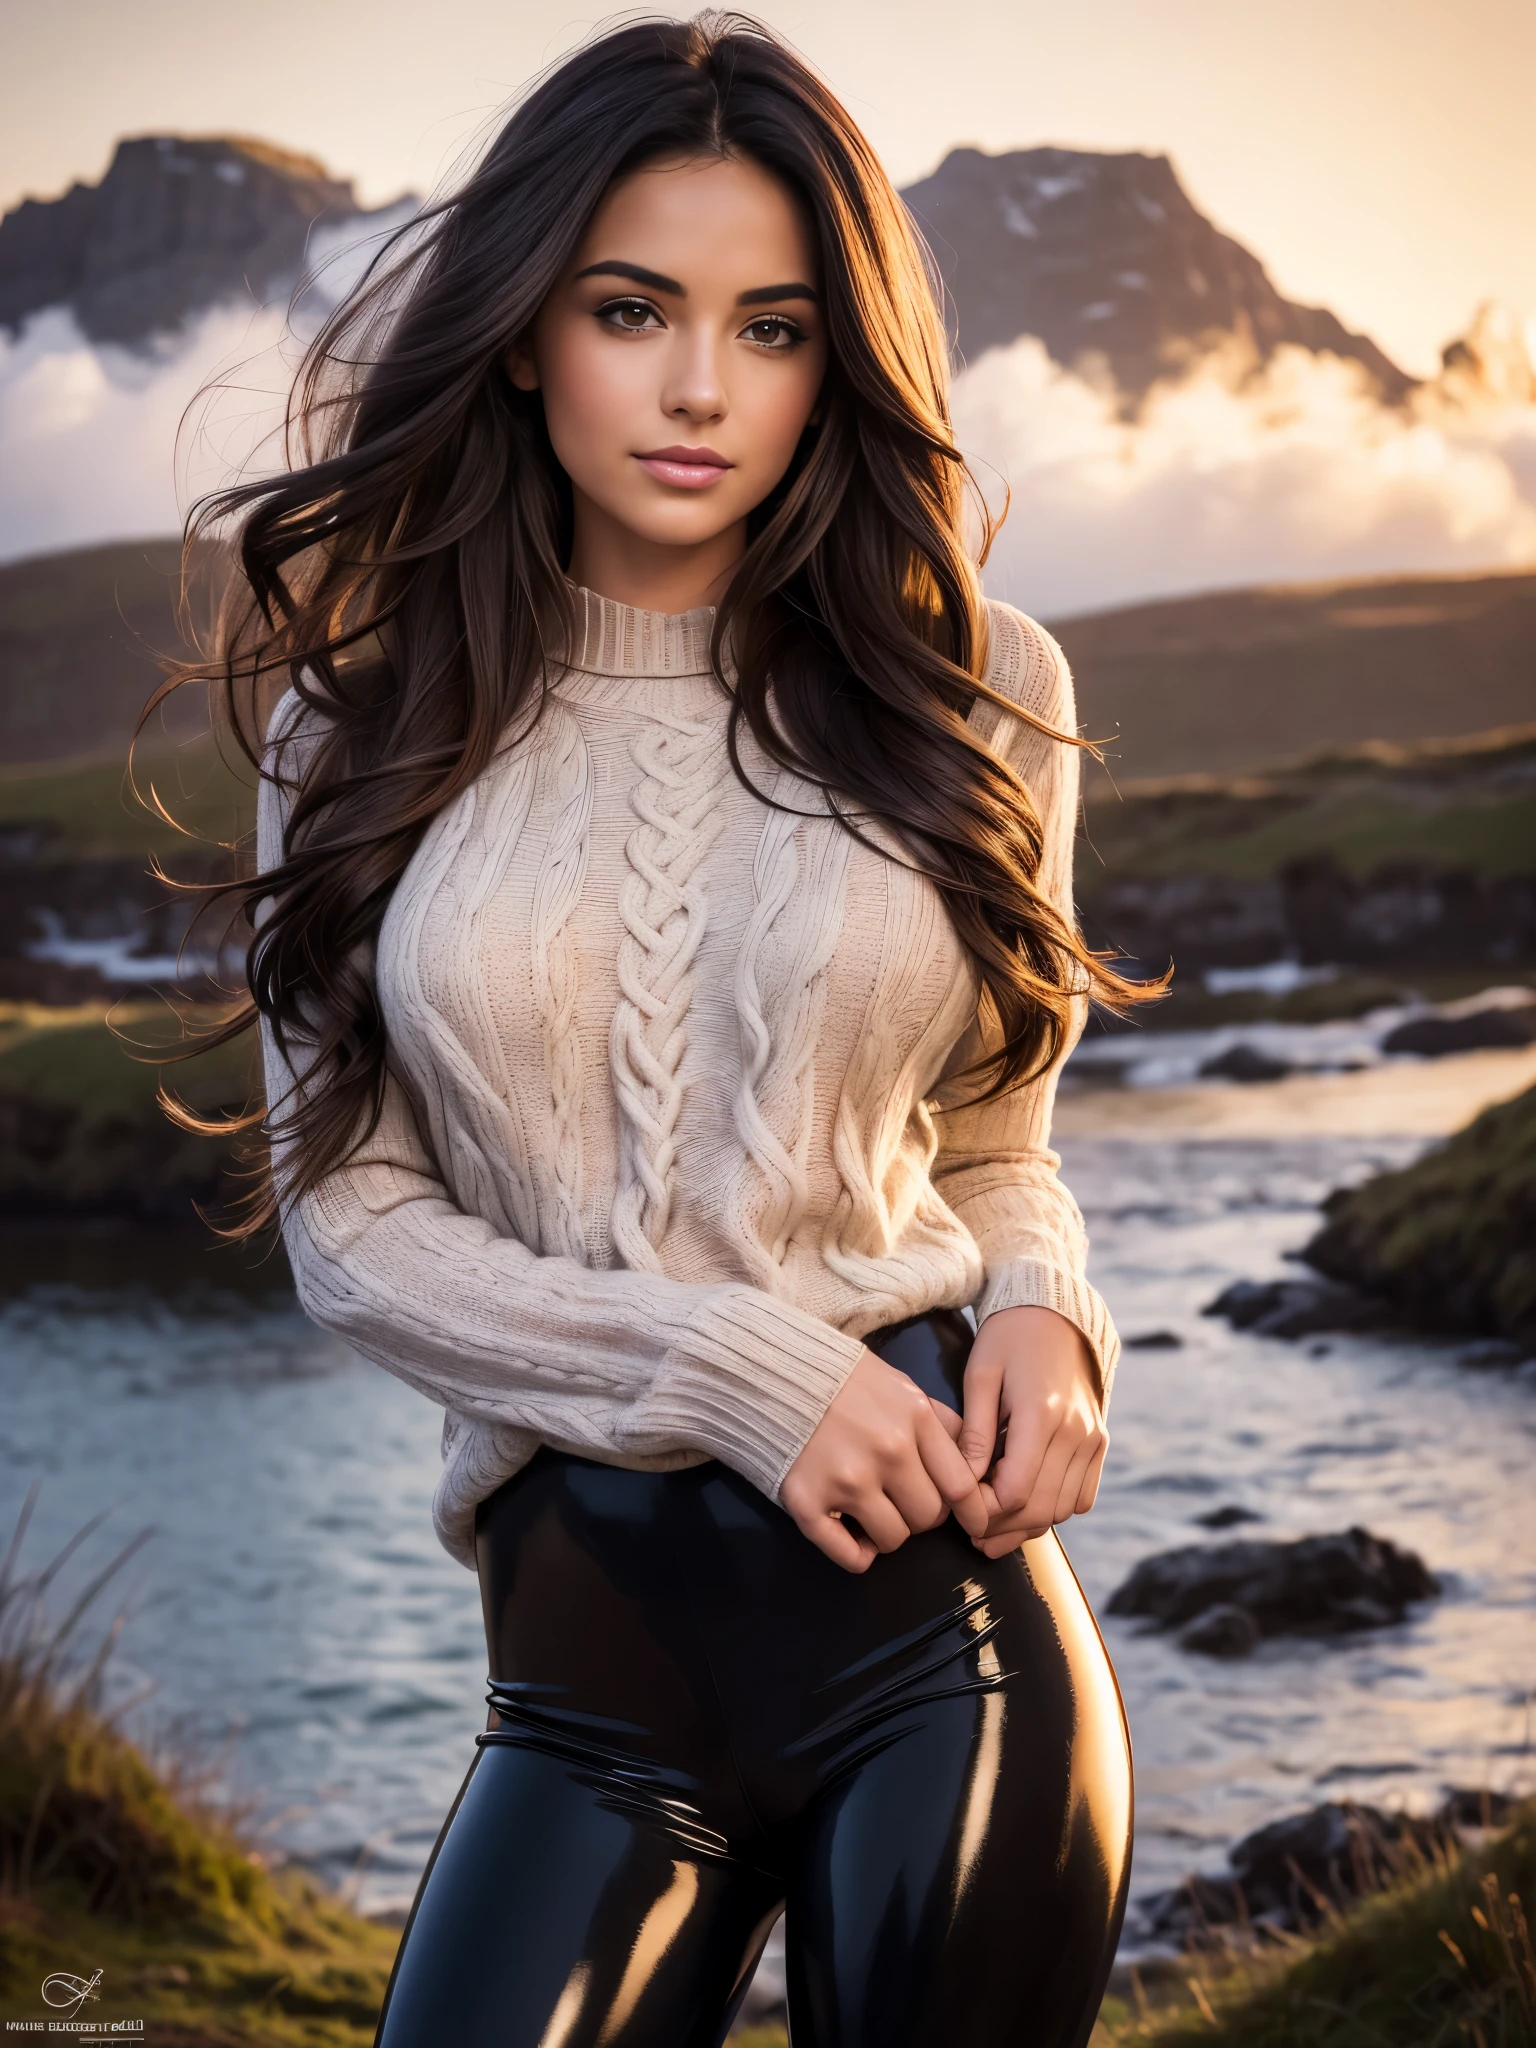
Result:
[1223,682]
[1411,860]
[1212,684]
[78,637]
[1468,802]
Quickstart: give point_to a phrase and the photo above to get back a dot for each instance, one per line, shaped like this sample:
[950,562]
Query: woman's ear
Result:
[521,367]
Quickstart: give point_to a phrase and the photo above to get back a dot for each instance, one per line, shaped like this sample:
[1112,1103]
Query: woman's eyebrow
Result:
[765,294]
[633,271]
[761,295]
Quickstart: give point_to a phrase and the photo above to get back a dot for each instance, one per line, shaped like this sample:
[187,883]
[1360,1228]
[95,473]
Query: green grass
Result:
[80,1128]
[1493,837]
[87,1057]
[120,1862]
[1471,804]
[1450,1240]
[97,814]
[1441,1959]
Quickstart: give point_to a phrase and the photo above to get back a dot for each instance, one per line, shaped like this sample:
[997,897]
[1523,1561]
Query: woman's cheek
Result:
[592,406]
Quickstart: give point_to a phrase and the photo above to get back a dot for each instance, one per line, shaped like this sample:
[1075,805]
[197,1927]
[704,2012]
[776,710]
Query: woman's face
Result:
[679,356]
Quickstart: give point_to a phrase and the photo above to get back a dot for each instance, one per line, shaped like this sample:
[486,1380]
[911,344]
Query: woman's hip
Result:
[682,1616]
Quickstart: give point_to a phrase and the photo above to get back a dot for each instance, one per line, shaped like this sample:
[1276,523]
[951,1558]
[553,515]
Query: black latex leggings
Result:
[698,1718]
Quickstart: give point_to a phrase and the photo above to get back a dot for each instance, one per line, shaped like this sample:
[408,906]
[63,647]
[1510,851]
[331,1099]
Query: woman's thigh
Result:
[962,1875]
[550,1912]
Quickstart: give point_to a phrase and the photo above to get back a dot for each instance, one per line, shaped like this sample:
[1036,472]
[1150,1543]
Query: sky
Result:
[1379,155]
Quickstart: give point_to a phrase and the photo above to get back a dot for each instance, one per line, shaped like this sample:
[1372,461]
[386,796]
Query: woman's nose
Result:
[695,383]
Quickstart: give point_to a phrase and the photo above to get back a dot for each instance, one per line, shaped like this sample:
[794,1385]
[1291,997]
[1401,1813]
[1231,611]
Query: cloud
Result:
[1228,476]
[97,443]
[1233,475]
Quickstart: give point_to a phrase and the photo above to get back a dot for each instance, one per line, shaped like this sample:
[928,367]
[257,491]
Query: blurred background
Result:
[1243,305]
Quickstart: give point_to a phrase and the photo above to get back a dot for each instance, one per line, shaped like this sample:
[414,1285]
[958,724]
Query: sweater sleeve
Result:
[604,1362]
[994,1165]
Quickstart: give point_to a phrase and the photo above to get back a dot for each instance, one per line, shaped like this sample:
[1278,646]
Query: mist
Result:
[1233,475]
[1229,475]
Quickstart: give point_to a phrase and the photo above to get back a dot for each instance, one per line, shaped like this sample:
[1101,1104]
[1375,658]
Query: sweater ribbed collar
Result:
[613,639]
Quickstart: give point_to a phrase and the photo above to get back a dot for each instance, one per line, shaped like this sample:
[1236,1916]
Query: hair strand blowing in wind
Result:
[406,576]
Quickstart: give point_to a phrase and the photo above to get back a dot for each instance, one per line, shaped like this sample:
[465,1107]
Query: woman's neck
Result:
[653,575]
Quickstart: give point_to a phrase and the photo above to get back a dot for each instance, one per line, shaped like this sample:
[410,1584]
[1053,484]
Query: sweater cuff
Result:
[1032,1283]
[747,1380]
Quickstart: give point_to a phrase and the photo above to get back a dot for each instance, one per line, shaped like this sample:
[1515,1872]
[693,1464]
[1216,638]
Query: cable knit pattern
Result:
[670,1121]
[777,1090]
[556,969]
[664,903]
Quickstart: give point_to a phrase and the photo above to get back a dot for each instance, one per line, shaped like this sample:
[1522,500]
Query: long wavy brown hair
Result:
[406,575]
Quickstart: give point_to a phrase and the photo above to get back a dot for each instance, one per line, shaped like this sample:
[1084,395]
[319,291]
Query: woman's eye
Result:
[774,332]
[631,315]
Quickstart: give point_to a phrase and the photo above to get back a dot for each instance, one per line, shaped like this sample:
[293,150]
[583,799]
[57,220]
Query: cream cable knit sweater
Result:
[665,1133]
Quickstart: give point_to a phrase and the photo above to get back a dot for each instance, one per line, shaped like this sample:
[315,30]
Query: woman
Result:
[665,958]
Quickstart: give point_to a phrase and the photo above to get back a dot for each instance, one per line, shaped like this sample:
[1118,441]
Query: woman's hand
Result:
[1031,1378]
[886,1453]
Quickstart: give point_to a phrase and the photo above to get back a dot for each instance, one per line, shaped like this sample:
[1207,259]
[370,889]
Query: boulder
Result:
[1244,1063]
[1290,1873]
[1316,1586]
[1227,1517]
[1432,1037]
[1224,1630]
[1296,1308]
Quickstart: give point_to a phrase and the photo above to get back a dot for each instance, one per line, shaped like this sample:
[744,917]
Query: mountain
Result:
[1492,364]
[1104,254]
[1101,254]
[176,225]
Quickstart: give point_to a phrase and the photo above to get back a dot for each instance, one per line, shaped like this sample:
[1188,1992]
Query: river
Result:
[293,1620]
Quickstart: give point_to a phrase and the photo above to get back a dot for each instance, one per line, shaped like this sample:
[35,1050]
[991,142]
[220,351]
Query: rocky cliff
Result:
[1104,254]
[174,226]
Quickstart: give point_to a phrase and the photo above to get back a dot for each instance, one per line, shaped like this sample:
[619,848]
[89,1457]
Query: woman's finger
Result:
[951,1418]
[881,1520]
[911,1491]
[978,1432]
[1031,1432]
[948,1471]
[1090,1487]
[855,1553]
[1039,1509]
[1075,1477]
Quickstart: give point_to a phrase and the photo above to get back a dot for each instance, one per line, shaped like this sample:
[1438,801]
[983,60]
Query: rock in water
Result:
[1225,1597]
[1448,1243]
[1295,1308]
[1245,1063]
[1224,1630]
[1227,1517]
[1433,1037]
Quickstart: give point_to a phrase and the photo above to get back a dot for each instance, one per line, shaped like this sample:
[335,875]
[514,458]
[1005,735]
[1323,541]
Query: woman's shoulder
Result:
[1025,664]
[295,723]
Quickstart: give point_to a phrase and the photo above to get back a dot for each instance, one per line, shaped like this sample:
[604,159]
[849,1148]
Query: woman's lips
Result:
[692,469]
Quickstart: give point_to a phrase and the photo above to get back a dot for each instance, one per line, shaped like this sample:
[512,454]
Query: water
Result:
[1155,1058]
[294,1605]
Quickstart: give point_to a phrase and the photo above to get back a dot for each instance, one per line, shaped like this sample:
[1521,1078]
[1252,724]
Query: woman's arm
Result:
[995,1167]
[607,1361]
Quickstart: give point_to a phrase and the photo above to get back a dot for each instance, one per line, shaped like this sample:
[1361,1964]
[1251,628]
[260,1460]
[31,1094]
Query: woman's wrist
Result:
[1019,1321]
